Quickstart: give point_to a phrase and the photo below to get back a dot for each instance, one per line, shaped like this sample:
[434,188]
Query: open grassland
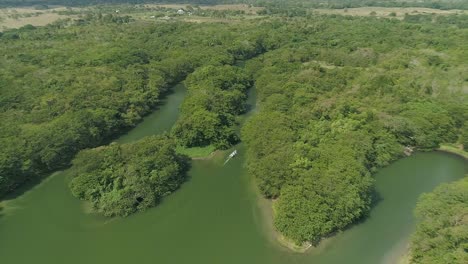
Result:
[234,7]
[396,12]
[455,149]
[197,152]
[18,17]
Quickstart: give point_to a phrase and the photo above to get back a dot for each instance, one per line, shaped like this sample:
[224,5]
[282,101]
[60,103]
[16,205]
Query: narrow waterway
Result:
[213,218]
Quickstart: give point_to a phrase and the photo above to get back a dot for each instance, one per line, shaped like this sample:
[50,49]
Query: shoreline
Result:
[209,156]
[405,258]
[266,211]
[453,149]
[445,148]
[216,154]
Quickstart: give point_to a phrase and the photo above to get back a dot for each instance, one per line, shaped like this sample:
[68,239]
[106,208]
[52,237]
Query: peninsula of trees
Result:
[216,95]
[342,100]
[339,97]
[77,84]
[441,234]
[119,180]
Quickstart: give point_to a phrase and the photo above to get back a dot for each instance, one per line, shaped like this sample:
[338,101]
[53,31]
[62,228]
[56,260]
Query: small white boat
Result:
[233,154]
[230,156]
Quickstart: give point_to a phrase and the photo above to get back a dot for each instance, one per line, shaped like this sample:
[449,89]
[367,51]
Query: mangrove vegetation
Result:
[441,234]
[338,97]
[121,179]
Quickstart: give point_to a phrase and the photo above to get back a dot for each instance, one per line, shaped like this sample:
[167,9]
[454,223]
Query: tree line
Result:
[77,84]
[216,96]
[270,4]
[120,180]
[339,98]
[441,234]
[342,101]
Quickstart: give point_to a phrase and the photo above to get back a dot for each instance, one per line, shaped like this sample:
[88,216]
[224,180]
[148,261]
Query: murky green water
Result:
[161,120]
[213,218]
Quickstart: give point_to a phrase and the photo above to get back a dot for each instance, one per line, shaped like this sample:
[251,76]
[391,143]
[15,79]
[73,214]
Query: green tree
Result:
[120,180]
[441,234]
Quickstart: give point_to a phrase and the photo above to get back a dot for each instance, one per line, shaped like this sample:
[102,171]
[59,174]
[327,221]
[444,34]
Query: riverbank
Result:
[291,245]
[267,214]
[447,148]
[197,152]
[266,207]
[454,149]
[201,153]
[405,258]
[285,241]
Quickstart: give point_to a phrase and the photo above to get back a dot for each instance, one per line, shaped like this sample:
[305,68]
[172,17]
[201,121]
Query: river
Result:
[213,218]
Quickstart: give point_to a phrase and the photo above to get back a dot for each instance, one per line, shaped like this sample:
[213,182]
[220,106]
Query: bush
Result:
[120,180]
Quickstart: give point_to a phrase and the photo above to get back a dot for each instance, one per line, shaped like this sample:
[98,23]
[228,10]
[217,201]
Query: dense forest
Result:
[338,4]
[441,234]
[216,95]
[339,97]
[121,179]
[76,84]
[68,89]
[342,101]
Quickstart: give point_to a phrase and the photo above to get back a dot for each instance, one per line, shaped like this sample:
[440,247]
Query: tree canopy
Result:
[342,100]
[338,98]
[76,84]
[119,180]
[441,234]
[216,95]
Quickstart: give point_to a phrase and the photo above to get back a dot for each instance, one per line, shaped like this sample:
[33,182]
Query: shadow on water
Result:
[163,97]
[36,180]
[187,166]
[376,198]
[249,107]
[28,185]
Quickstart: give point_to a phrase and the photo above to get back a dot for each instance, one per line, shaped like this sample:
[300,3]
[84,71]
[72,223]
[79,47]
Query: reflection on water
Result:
[212,218]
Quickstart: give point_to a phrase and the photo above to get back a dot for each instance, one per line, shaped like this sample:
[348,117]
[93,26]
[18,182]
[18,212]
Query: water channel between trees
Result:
[214,218]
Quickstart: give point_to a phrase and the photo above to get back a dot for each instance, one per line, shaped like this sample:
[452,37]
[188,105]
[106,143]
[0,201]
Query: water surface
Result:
[213,218]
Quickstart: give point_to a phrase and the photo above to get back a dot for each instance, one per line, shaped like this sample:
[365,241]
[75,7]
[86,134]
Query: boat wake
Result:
[234,153]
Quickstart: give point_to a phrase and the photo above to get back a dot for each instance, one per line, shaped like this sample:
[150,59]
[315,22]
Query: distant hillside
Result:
[438,4]
[12,3]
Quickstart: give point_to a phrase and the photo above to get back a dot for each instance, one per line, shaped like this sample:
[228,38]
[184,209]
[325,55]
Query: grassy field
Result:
[239,7]
[451,148]
[18,17]
[197,152]
[396,12]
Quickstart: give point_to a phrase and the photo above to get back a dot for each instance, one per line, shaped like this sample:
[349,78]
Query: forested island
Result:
[441,234]
[335,112]
[75,84]
[216,95]
[338,98]
[121,179]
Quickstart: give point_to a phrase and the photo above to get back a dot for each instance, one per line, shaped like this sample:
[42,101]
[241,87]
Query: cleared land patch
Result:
[18,17]
[397,12]
[238,7]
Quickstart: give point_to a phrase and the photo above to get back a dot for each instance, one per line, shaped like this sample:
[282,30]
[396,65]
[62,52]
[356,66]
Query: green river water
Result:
[214,217]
